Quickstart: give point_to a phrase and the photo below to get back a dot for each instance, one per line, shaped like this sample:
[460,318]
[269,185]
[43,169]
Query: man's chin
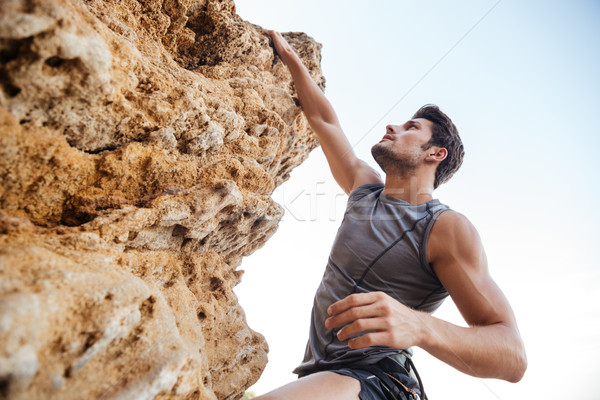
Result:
[381,148]
[380,155]
[378,145]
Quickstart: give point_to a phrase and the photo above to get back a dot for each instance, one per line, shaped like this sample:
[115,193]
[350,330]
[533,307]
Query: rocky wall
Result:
[140,142]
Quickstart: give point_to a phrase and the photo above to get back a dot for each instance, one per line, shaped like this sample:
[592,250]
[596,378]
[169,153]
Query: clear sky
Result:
[520,80]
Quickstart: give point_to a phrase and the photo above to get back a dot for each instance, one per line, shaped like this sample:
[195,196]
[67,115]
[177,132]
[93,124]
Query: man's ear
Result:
[436,154]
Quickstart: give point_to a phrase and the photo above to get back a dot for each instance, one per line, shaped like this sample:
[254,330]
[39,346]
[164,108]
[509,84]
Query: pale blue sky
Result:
[520,81]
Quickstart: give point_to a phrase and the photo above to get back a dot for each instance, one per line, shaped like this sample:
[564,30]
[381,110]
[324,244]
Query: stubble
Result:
[397,163]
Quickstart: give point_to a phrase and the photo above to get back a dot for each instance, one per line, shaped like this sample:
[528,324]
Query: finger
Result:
[362,325]
[368,340]
[353,314]
[354,300]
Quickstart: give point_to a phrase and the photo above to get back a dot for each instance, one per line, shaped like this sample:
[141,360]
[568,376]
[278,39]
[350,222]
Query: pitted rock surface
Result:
[140,142]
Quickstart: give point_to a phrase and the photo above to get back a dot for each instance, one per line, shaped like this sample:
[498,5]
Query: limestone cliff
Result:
[140,142]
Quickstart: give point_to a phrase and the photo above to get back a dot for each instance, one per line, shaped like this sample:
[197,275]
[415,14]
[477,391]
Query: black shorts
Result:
[392,378]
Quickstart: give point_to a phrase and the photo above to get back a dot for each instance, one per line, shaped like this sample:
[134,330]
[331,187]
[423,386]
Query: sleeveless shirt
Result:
[381,245]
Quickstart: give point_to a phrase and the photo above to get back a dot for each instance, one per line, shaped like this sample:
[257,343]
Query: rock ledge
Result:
[140,142]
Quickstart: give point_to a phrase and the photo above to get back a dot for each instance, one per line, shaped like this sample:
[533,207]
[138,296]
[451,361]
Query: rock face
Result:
[140,142]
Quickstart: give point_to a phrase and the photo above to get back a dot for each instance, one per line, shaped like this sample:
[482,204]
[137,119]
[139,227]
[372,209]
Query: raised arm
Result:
[349,171]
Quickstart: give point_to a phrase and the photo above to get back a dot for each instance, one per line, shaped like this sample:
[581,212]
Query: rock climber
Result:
[397,254]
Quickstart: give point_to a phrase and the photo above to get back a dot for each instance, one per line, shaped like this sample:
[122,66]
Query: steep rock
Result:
[140,142]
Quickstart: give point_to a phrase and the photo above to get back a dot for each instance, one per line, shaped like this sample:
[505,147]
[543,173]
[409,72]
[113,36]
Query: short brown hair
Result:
[444,135]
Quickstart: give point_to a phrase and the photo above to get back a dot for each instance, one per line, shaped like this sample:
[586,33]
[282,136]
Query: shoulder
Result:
[364,175]
[453,236]
[363,190]
[452,222]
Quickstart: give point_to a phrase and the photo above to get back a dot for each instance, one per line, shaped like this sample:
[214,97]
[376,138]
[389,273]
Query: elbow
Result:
[519,367]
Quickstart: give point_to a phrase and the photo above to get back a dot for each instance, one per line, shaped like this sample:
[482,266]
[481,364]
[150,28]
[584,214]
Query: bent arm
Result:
[347,169]
[491,346]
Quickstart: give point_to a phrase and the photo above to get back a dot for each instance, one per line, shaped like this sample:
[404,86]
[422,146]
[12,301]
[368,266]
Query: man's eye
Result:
[412,126]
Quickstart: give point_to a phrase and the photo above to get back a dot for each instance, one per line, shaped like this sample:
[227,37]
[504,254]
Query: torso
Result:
[380,246]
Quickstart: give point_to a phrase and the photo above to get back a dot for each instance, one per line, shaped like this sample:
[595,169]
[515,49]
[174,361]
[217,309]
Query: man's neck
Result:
[412,188]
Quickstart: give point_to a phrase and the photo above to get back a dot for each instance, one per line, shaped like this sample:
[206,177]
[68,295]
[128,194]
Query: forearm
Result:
[315,105]
[491,351]
[346,168]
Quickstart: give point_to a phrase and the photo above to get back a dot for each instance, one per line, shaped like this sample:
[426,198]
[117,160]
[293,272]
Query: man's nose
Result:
[391,129]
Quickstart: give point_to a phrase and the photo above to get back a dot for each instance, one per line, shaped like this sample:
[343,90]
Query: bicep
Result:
[461,265]
[348,170]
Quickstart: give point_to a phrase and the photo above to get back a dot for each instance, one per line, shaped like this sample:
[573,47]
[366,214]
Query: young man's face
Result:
[401,148]
[414,131]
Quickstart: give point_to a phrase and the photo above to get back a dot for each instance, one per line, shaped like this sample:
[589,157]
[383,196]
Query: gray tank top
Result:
[380,246]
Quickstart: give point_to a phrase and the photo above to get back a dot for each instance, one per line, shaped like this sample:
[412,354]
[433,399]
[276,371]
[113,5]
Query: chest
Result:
[386,242]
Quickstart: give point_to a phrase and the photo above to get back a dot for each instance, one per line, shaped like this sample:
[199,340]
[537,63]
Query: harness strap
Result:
[394,391]
[412,367]
[404,363]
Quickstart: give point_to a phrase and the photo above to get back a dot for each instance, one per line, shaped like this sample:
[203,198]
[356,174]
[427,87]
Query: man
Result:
[397,255]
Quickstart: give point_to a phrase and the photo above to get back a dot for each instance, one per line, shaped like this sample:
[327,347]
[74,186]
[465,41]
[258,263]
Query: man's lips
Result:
[387,136]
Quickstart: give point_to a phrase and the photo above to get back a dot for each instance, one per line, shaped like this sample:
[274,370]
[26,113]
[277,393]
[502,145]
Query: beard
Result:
[403,164]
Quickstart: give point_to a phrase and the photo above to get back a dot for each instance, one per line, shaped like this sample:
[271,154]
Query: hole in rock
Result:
[7,86]
[72,66]
[92,337]
[179,230]
[170,282]
[201,23]
[4,386]
[258,223]
[12,49]
[10,89]
[54,62]
[147,307]
[7,55]
[94,151]
[212,39]
[215,283]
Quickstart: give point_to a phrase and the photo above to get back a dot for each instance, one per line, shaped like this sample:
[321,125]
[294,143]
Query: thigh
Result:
[318,386]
